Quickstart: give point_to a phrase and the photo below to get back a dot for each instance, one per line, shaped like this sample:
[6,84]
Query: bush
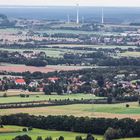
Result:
[48,138]
[27,96]
[4,95]
[24,137]
[112,133]
[127,105]
[89,137]
[78,138]
[24,129]
[30,128]
[22,95]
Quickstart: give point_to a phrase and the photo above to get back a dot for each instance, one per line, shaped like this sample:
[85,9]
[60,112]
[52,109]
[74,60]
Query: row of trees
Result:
[26,137]
[128,127]
[100,57]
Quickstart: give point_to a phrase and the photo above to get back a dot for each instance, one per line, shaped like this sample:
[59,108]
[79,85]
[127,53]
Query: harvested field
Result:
[23,68]
[96,110]
[16,92]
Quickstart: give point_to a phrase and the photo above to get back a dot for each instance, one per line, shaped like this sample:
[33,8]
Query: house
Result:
[53,79]
[33,84]
[20,82]
[119,77]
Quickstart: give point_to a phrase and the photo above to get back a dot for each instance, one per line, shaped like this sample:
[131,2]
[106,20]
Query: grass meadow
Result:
[5,134]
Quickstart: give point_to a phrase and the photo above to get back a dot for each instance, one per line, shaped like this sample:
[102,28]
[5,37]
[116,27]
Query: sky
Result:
[116,3]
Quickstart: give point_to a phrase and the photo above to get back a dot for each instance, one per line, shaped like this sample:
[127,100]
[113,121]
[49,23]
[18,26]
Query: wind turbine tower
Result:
[102,16]
[77,20]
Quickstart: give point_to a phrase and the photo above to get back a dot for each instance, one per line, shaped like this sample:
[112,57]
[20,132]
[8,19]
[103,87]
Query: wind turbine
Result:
[77,20]
[102,16]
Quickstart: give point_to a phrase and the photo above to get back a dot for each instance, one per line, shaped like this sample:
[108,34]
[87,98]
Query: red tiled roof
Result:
[53,78]
[20,81]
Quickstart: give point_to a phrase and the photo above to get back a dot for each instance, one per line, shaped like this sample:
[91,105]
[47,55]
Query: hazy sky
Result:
[135,3]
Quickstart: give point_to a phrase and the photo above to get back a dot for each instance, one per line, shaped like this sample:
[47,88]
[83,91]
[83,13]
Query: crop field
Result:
[51,52]
[45,97]
[92,46]
[49,68]
[91,110]
[16,130]
[18,92]
[130,54]
[9,31]
[52,31]
[66,25]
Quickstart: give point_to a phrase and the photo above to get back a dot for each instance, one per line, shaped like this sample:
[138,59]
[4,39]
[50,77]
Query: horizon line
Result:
[32,6]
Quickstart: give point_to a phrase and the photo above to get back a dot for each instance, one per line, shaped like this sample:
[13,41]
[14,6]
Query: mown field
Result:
[5,134]
[46,97]
[90,110]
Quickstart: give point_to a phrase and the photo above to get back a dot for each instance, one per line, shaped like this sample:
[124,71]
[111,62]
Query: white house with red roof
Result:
[20,82]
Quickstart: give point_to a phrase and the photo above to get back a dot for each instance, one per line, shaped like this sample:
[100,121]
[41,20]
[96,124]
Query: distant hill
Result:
[5,22]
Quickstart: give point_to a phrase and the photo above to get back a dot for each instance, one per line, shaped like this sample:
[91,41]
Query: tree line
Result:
[114,128]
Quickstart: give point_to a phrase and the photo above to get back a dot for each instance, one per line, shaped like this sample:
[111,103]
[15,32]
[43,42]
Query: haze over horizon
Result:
[103,3]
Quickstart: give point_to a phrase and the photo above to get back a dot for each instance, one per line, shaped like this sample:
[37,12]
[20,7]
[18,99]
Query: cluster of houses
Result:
[70,85]
[31,54]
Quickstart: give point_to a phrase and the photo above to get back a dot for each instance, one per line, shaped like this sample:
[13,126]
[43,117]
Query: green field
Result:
[9,132]
[130,139]
[92,46]
[51,52]
[45,97]
[39,132]
[98,110]
[55,31]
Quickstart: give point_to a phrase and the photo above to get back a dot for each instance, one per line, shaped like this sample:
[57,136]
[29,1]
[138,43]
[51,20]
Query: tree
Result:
[127,105]
[59,90]
[47,90]
[4,95]
[24,129]
[1,123]
[61,138]
[24,137]
[112,133]
[139,101]
[100,81]
[109,100]
[89,137]
[30,128]
[39,138]
[48,138]
[78,138]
